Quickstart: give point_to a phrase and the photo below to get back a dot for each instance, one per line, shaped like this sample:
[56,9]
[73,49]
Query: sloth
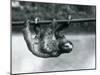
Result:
[47,42]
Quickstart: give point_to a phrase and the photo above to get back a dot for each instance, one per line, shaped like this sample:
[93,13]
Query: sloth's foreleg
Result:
[33,46]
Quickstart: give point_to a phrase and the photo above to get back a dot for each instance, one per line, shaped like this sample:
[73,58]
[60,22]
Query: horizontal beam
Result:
[18,23]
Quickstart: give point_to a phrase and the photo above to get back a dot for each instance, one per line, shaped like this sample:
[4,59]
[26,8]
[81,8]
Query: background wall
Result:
[47,11]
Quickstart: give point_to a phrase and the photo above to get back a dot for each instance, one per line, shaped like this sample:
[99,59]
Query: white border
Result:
[84,2]
[5,36]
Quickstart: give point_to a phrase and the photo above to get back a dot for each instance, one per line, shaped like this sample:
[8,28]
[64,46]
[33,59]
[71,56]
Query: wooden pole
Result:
[20,23]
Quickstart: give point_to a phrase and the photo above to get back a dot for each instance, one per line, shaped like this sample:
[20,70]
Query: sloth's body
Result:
[44,43]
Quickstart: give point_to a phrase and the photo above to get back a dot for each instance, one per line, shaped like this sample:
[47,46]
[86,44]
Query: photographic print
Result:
[52,37]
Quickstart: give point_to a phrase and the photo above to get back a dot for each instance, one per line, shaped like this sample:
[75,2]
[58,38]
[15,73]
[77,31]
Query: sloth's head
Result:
[65,46]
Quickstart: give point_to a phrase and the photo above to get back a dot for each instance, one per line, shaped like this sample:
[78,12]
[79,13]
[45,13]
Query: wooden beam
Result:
[20,23]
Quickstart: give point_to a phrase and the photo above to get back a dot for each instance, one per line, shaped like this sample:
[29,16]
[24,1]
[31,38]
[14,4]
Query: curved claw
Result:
[69,19]
[27,23]
[36,20]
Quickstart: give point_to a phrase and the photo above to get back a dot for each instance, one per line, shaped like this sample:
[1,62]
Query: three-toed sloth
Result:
[46,42]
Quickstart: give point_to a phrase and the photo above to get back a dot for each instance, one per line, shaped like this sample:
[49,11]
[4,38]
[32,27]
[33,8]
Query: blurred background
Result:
[47,11]
[82,35]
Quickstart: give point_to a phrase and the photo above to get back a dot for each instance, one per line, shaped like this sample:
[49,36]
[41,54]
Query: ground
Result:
[82,56]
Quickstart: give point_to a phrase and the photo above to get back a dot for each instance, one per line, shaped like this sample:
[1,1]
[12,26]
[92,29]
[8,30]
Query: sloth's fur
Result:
[46,42]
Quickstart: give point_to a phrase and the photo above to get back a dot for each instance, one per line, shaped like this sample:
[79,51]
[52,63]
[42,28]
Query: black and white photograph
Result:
[52,37]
